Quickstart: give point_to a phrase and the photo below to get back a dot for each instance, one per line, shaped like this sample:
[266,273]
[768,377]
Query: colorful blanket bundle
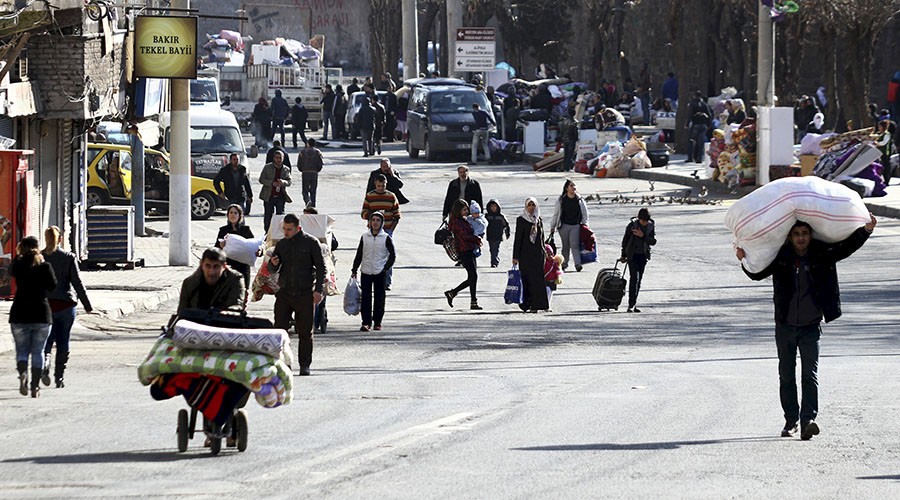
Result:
[270,379]
[272,342]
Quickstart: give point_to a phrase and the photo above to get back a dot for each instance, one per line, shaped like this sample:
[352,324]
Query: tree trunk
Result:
[445,42]
[853,93]
[426,18]
[833,108]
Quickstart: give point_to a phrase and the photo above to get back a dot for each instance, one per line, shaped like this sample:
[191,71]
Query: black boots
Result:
[22,367]
[62,357]
[35,382]
[45,374]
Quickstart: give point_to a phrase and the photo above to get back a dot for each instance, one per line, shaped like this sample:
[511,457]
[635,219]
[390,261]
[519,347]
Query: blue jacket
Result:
[482,118]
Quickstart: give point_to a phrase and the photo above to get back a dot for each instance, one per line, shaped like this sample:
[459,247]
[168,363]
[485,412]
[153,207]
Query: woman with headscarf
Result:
[528,254]
[262,123]
[817,125]
[736,112]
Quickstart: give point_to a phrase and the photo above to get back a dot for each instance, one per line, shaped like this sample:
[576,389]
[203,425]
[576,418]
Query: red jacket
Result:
[893,91]
[464,235]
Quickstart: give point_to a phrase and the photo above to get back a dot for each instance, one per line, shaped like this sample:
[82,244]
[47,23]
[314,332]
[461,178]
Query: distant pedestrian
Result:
[384,201]
[645,84]
[498,227]
[466,244]
[387,83]
[63,303]
[310,161]
[212,285]
[30,315]
[365,119]
[886,130]
[378,131]
[236,183]
[301,278]
[483,121]
[262,123]
[893,97]
[235,225]
[353,87]
[511,120]
[280,112]
[640,235]
[374,256]
[391,111]
[570,214]
[275,178]
[394,183]
[299,116]
[805,282]
[277,146]
[327,103]
[736,112]
[463,187]
[339,114]
[700,120]
[529,255]
[568,131]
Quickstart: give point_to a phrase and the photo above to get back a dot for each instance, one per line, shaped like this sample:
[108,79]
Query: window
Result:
[457,101]
[203,91]
[215,140]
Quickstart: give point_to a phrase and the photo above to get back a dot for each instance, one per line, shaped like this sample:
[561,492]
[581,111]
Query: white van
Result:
[205,93]
[214,136]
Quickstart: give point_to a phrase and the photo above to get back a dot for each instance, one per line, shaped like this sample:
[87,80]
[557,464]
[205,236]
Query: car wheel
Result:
[429,153]
[202,206]
[413,152]
[96,196]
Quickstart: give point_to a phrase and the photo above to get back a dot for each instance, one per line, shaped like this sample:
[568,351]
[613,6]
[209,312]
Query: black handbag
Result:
[442,234]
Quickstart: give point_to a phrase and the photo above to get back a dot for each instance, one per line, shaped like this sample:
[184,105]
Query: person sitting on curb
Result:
[212,284]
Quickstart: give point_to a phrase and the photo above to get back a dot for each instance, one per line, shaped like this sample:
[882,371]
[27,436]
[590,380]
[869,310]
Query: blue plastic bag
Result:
[588,256]
[515,293]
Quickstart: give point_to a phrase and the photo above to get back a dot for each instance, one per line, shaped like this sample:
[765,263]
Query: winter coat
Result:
[497,223]
[375,253]
[235,191]
[365,118]
[464,235]
[33,284]
[301,267]
[556,221]
[267,176]
[393,184]
[299,115]
[473,193]
[228,292]
[631,243]
[68,279]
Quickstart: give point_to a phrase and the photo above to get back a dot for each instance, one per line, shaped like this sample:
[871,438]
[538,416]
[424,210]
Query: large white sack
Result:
[241,249]
[762,220]
[318,226]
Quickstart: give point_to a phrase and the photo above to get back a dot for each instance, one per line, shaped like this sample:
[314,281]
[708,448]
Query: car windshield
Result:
[358,98]
[215,140]
[203,91]
[456,101]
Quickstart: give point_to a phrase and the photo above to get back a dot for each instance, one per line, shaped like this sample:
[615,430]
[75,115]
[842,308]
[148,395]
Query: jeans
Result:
[789,339]
[276,205]
[645,105]
[480,136]
[636,266]
[367,283]
[368,141]
[309,184]
[301,308]
[298,128]
[326,118]
[569,156]
[337,130]
[30,339]
[61,330]
[571,241]
[467,259]
[495,252]
[698,139]
[276,126]
[389,272]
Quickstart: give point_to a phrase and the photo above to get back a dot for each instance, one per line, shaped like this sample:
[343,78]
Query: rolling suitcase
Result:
[609,288]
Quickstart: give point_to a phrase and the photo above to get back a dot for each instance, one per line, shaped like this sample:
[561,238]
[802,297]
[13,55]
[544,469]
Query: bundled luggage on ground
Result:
[609,288]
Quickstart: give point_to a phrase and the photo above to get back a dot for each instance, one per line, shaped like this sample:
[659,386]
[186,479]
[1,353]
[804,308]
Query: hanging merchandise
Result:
[777,10]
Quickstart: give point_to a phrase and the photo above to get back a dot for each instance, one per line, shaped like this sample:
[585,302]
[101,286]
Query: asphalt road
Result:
[678,401]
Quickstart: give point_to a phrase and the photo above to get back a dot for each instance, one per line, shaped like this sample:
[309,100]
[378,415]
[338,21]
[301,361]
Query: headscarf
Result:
[738,104]
[819,120]
[533,218]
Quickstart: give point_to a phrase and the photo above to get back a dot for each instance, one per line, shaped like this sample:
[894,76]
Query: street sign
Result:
[475,49]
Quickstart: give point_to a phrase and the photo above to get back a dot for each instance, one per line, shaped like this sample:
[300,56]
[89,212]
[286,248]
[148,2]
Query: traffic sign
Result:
[475,49]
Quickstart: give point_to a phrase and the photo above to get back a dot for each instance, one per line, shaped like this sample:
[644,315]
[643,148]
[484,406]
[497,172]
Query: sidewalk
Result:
[116,293]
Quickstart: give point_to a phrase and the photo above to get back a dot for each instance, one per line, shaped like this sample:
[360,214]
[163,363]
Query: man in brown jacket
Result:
[310,162]
[275,178]
[301,276]
[212,285]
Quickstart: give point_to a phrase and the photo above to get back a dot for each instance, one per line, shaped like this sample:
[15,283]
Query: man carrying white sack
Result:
[805,282]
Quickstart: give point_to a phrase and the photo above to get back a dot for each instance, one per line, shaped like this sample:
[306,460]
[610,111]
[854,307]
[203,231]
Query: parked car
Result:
[109,181]
[214,135]
[353,107]
[439,119]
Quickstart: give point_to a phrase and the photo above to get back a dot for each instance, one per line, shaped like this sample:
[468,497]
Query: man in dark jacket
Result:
[806,290]
[212,285]
[280,112]
[700,116]
[310,163]
[301,276]
[568,130]
[327,103]
[378,131]
[640,235]
[353,87]
[340,113]
[394,184]
[462,188]
[237,183]
[276,146]
[365,119]
[299,115]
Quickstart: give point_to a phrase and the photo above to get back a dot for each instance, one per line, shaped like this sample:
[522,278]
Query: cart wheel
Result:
[182,430]
[215,445]
[240,421]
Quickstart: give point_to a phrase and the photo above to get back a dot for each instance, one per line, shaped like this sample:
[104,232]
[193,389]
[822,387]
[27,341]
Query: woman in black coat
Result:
[236,226]
[528,254]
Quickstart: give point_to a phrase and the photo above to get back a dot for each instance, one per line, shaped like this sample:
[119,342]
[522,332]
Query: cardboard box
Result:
[807,164]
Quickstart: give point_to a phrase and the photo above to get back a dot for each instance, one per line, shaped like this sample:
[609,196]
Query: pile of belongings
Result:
[762,220]
[850,158]
[225,46]
[732,154]
[221,364]
[508,151]
[293,53]
[617,160]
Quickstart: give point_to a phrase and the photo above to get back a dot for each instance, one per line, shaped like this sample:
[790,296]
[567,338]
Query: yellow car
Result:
[109,181]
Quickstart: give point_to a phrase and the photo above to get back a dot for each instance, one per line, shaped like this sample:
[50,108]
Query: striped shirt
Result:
[385,202]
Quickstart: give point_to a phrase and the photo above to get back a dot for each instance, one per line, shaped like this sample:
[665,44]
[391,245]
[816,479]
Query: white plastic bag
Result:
[241,249]
[352,296]
[762,220]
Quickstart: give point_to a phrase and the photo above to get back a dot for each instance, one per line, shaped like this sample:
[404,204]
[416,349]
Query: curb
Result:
[884,211]
[710,185]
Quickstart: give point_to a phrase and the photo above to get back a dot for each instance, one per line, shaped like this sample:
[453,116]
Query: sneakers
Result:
[450,295]
[578,268]
[810,429]
[364,328]
[789,429]
[475,307]
[494,265]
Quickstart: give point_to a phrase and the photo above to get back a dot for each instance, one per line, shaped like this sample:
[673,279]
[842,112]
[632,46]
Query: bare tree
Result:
[385,22]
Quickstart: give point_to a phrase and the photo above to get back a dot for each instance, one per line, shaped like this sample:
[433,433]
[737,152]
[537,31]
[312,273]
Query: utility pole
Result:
[137,182]
[180,168]
[765,93]
[454,20]
[410,40]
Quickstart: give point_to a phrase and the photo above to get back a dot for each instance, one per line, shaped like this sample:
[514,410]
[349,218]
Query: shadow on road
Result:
[895,477]
[665,445]
[161,455]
